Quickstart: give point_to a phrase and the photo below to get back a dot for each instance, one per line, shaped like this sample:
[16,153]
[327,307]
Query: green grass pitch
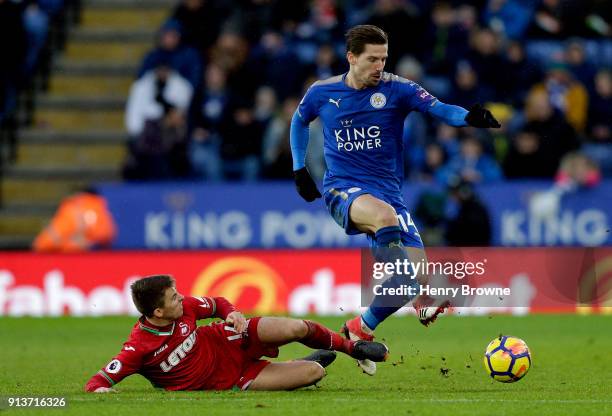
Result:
[571,372]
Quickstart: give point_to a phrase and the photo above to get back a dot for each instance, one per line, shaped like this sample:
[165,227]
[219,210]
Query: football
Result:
[507,359]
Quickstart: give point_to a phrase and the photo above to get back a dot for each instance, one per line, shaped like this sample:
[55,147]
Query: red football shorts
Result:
[248,352]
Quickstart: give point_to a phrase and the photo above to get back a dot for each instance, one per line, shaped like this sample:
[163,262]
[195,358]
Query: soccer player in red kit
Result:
[168,348]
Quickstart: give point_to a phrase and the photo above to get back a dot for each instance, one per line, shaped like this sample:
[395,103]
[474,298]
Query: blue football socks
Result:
[389,249]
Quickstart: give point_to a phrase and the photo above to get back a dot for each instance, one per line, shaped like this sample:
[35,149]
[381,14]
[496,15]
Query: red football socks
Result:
[320,337]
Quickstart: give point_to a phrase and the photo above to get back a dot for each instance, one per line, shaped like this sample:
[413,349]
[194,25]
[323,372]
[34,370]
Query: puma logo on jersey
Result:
[129,348]
[336,102]
[204,303]
[179,353]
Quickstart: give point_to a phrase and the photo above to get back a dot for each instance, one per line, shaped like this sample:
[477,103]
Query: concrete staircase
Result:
[78,135]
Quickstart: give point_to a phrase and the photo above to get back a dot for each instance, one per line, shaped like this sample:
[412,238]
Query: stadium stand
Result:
[248,61]
[77,134]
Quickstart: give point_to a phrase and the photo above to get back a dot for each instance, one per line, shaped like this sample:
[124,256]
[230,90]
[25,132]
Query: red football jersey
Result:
[182,356]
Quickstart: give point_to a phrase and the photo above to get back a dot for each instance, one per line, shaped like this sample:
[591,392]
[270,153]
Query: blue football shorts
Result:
[339,200]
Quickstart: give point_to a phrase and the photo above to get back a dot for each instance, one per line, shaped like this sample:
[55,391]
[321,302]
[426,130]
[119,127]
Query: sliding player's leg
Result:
[281,331]
[323,357]
[288,375]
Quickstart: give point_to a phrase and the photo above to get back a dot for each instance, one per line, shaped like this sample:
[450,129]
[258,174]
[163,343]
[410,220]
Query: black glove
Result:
[481,117]
[305,185]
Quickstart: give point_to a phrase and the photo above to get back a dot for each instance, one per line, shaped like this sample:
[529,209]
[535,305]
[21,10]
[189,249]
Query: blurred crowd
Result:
[215,95]
[24,29]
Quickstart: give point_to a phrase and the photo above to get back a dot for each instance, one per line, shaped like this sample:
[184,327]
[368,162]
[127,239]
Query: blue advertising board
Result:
[266,215]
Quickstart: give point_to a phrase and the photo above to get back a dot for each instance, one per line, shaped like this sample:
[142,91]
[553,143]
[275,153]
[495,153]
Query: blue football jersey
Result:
[363,129]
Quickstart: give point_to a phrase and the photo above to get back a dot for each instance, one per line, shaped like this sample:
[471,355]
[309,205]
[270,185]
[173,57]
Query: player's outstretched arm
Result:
[299,142]
[457,116]
[126,363]
[105,390]
[99,384]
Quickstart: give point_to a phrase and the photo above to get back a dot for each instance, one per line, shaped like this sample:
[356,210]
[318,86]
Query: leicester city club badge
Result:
[378,100]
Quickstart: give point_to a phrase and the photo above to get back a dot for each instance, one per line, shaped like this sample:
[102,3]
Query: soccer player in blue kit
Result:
[362,113]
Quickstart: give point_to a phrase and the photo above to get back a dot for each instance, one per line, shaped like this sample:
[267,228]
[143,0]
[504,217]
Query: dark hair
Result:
[358,36]
[148,292]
